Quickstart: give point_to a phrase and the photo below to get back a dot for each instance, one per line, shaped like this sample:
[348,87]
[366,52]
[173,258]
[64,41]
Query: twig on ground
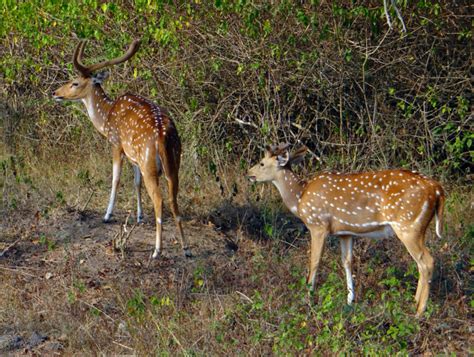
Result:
[120,239]
[87,202]
[9,247]
[21,272]
[244,296]
[122,345]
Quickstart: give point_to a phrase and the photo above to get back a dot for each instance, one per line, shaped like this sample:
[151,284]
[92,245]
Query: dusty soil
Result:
[44,254]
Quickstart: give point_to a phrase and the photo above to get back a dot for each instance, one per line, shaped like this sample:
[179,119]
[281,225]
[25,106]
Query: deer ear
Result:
[268,151]
[99,77]
[283,159]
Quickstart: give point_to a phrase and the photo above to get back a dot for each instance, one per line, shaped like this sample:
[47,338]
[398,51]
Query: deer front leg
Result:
[117,156]
[318,236]
[138,189]
[346,256]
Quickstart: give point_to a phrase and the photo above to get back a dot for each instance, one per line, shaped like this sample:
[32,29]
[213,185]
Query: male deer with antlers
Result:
[376,204]
[136,127]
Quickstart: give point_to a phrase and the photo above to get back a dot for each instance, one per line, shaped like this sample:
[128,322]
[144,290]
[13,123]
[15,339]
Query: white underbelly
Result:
[384,231]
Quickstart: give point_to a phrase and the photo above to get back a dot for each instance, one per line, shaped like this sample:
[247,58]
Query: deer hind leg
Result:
[173,186]
[346,256]
[138,188]
[170,166]
[414,242]
[117,156]
[318,236]
[151,183]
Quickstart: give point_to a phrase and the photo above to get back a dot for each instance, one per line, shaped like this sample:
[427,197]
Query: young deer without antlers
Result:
[136,127]
[372,204]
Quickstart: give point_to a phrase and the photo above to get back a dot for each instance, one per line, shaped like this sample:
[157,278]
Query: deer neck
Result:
[290,189]
[98,106]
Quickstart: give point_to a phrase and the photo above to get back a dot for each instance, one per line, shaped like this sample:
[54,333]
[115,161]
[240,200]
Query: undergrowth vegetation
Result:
[235,75]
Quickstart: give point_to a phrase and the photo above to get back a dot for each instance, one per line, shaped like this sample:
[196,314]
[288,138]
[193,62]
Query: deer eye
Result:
[74,84]
[262,164]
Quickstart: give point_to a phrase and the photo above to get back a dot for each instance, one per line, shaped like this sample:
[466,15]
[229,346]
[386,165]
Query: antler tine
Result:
[76,60]
[279,149]
[130,52]
[300,151]
[298,155]
[275,150]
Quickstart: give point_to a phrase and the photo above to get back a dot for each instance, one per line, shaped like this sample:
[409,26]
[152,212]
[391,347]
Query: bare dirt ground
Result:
[72,254]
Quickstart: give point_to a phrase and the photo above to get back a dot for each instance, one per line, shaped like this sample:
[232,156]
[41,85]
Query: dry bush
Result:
[236,76]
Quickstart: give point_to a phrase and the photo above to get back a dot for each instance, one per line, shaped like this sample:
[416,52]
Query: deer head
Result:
[81,86]
[277,158]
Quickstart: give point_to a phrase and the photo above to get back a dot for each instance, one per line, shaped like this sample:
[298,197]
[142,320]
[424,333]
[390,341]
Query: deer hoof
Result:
[156,253]
[187,253]
[140,219]
[350,298]
[107,218]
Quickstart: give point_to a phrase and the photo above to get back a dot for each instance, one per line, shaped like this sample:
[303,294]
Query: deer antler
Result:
[275,150]
[298,155]
[87,70]
[280,149]
[76,59]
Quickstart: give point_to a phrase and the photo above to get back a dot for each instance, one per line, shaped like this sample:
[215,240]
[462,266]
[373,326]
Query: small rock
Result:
[36,339]
[54,346]
[48,275]
[122,329]
[10,342]
[442,326]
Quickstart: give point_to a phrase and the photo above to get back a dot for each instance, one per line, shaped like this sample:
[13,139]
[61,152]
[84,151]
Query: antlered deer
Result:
[376,204]
[136,127]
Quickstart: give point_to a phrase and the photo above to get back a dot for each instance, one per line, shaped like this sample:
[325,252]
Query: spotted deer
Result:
[137,128]
[375,204]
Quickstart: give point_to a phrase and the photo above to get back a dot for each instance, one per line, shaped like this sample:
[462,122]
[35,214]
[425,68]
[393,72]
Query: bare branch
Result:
[397,11]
